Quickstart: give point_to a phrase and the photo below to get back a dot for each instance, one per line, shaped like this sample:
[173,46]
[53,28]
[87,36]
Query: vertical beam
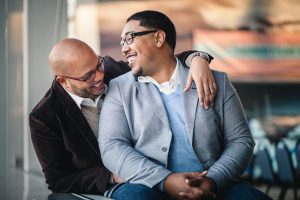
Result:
[43,27]
[3,99]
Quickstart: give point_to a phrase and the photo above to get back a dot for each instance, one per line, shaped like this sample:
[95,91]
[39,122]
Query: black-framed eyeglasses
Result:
[89,76]
[129,37]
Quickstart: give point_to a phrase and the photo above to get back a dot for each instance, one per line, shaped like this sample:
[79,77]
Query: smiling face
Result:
[141,52]
[87,89]
[74,58]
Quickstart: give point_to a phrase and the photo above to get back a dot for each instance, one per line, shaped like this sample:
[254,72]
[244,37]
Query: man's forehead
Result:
[131,26]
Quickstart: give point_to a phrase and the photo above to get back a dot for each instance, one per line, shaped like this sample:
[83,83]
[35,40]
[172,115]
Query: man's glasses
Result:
[129,37]
[90,76]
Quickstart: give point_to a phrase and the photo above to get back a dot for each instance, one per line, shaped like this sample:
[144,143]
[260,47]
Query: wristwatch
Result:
[202,55]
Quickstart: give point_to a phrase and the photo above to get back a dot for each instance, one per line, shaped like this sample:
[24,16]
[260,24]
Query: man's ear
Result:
[160,38]
[63,81]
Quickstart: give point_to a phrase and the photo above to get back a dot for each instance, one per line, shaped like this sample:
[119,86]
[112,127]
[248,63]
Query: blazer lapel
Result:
[149,93]
[74,114]
[190,102]
[82,125]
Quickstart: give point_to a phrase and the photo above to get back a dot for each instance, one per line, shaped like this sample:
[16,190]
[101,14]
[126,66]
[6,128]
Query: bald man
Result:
[64,124]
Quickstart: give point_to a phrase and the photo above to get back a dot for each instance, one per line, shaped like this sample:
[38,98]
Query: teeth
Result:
[97,85]
[130,58]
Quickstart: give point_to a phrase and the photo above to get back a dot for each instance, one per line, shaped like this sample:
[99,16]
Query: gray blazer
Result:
[135,134]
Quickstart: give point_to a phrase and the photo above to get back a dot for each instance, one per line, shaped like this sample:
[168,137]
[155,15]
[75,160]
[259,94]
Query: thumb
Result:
[191,175]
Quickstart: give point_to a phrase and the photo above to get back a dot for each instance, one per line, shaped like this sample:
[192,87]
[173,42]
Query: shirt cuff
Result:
[160,185]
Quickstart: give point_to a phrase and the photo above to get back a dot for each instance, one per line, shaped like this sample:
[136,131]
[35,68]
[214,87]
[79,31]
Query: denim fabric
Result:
[236,191]
[137,192]
[241,191]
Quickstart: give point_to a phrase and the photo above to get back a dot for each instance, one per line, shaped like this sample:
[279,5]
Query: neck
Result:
[166,68]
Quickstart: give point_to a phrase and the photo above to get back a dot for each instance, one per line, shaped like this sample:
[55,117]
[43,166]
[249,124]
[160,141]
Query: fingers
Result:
[200,92]
[188,84]
[191,175]
[206,92]
[197,193]
[210,91]
[206,89]
[194,181]
[213,92]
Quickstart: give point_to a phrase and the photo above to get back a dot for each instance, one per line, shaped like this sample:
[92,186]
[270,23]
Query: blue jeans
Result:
[236,191]
[241,191]
[129,191]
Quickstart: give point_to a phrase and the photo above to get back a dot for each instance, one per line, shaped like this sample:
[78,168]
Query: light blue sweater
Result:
[181,156]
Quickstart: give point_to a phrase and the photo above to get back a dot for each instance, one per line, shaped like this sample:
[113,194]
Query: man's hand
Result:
[204,183]
[176,186]
[204,80]
[116,179]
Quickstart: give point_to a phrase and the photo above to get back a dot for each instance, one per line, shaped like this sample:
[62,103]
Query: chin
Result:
[137,72]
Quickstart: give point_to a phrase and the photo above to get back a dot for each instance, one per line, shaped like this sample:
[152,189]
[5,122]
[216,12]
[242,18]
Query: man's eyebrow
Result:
[127,33]
[89,72]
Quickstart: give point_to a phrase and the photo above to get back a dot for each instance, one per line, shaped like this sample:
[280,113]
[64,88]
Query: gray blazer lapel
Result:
[190,102]
[149,93]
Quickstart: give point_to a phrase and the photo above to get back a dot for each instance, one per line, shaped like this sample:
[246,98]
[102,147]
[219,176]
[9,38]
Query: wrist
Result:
[200,54]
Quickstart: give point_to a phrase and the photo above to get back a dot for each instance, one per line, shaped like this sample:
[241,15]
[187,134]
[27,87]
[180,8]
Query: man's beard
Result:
[81,92]
[138,72]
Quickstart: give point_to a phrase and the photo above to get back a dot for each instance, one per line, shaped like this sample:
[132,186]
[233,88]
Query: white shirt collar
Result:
[166,87]
[85,101]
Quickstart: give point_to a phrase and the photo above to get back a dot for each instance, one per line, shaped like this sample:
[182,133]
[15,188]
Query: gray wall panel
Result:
[46,24]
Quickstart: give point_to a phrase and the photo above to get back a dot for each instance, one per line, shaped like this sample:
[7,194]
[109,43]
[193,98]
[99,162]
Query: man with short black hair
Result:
[165,145]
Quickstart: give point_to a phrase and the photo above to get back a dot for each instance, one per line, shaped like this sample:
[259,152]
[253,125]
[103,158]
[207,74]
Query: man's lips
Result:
[99,85]
[130,58]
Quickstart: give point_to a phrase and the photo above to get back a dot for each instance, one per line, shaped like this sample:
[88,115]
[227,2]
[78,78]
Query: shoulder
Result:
[113,68]
[221,78]
[46,103]
[125,80]
[50,105]
[121,86]
[219,75]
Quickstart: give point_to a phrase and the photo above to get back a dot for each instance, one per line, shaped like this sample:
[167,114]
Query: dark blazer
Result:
[65,144]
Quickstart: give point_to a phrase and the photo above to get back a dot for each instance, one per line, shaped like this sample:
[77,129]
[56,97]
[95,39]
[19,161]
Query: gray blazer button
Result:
[164,149]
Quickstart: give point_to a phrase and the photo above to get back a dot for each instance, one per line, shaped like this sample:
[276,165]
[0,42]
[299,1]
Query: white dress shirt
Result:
[87,101]
[166,87]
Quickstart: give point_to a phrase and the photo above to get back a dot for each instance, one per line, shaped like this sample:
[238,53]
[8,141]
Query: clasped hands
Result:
[190,186]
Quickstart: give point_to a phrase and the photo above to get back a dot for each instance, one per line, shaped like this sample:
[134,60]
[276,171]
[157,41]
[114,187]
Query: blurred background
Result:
[257,42]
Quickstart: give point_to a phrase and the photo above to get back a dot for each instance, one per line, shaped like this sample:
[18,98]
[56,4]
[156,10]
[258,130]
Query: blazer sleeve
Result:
[55,160]
[237,142]
[116,148]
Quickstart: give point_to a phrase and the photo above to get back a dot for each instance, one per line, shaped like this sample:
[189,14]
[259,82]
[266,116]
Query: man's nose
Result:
[125,48]
[99,75]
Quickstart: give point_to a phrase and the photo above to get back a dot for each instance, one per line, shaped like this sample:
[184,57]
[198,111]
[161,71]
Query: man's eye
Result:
[87,77]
